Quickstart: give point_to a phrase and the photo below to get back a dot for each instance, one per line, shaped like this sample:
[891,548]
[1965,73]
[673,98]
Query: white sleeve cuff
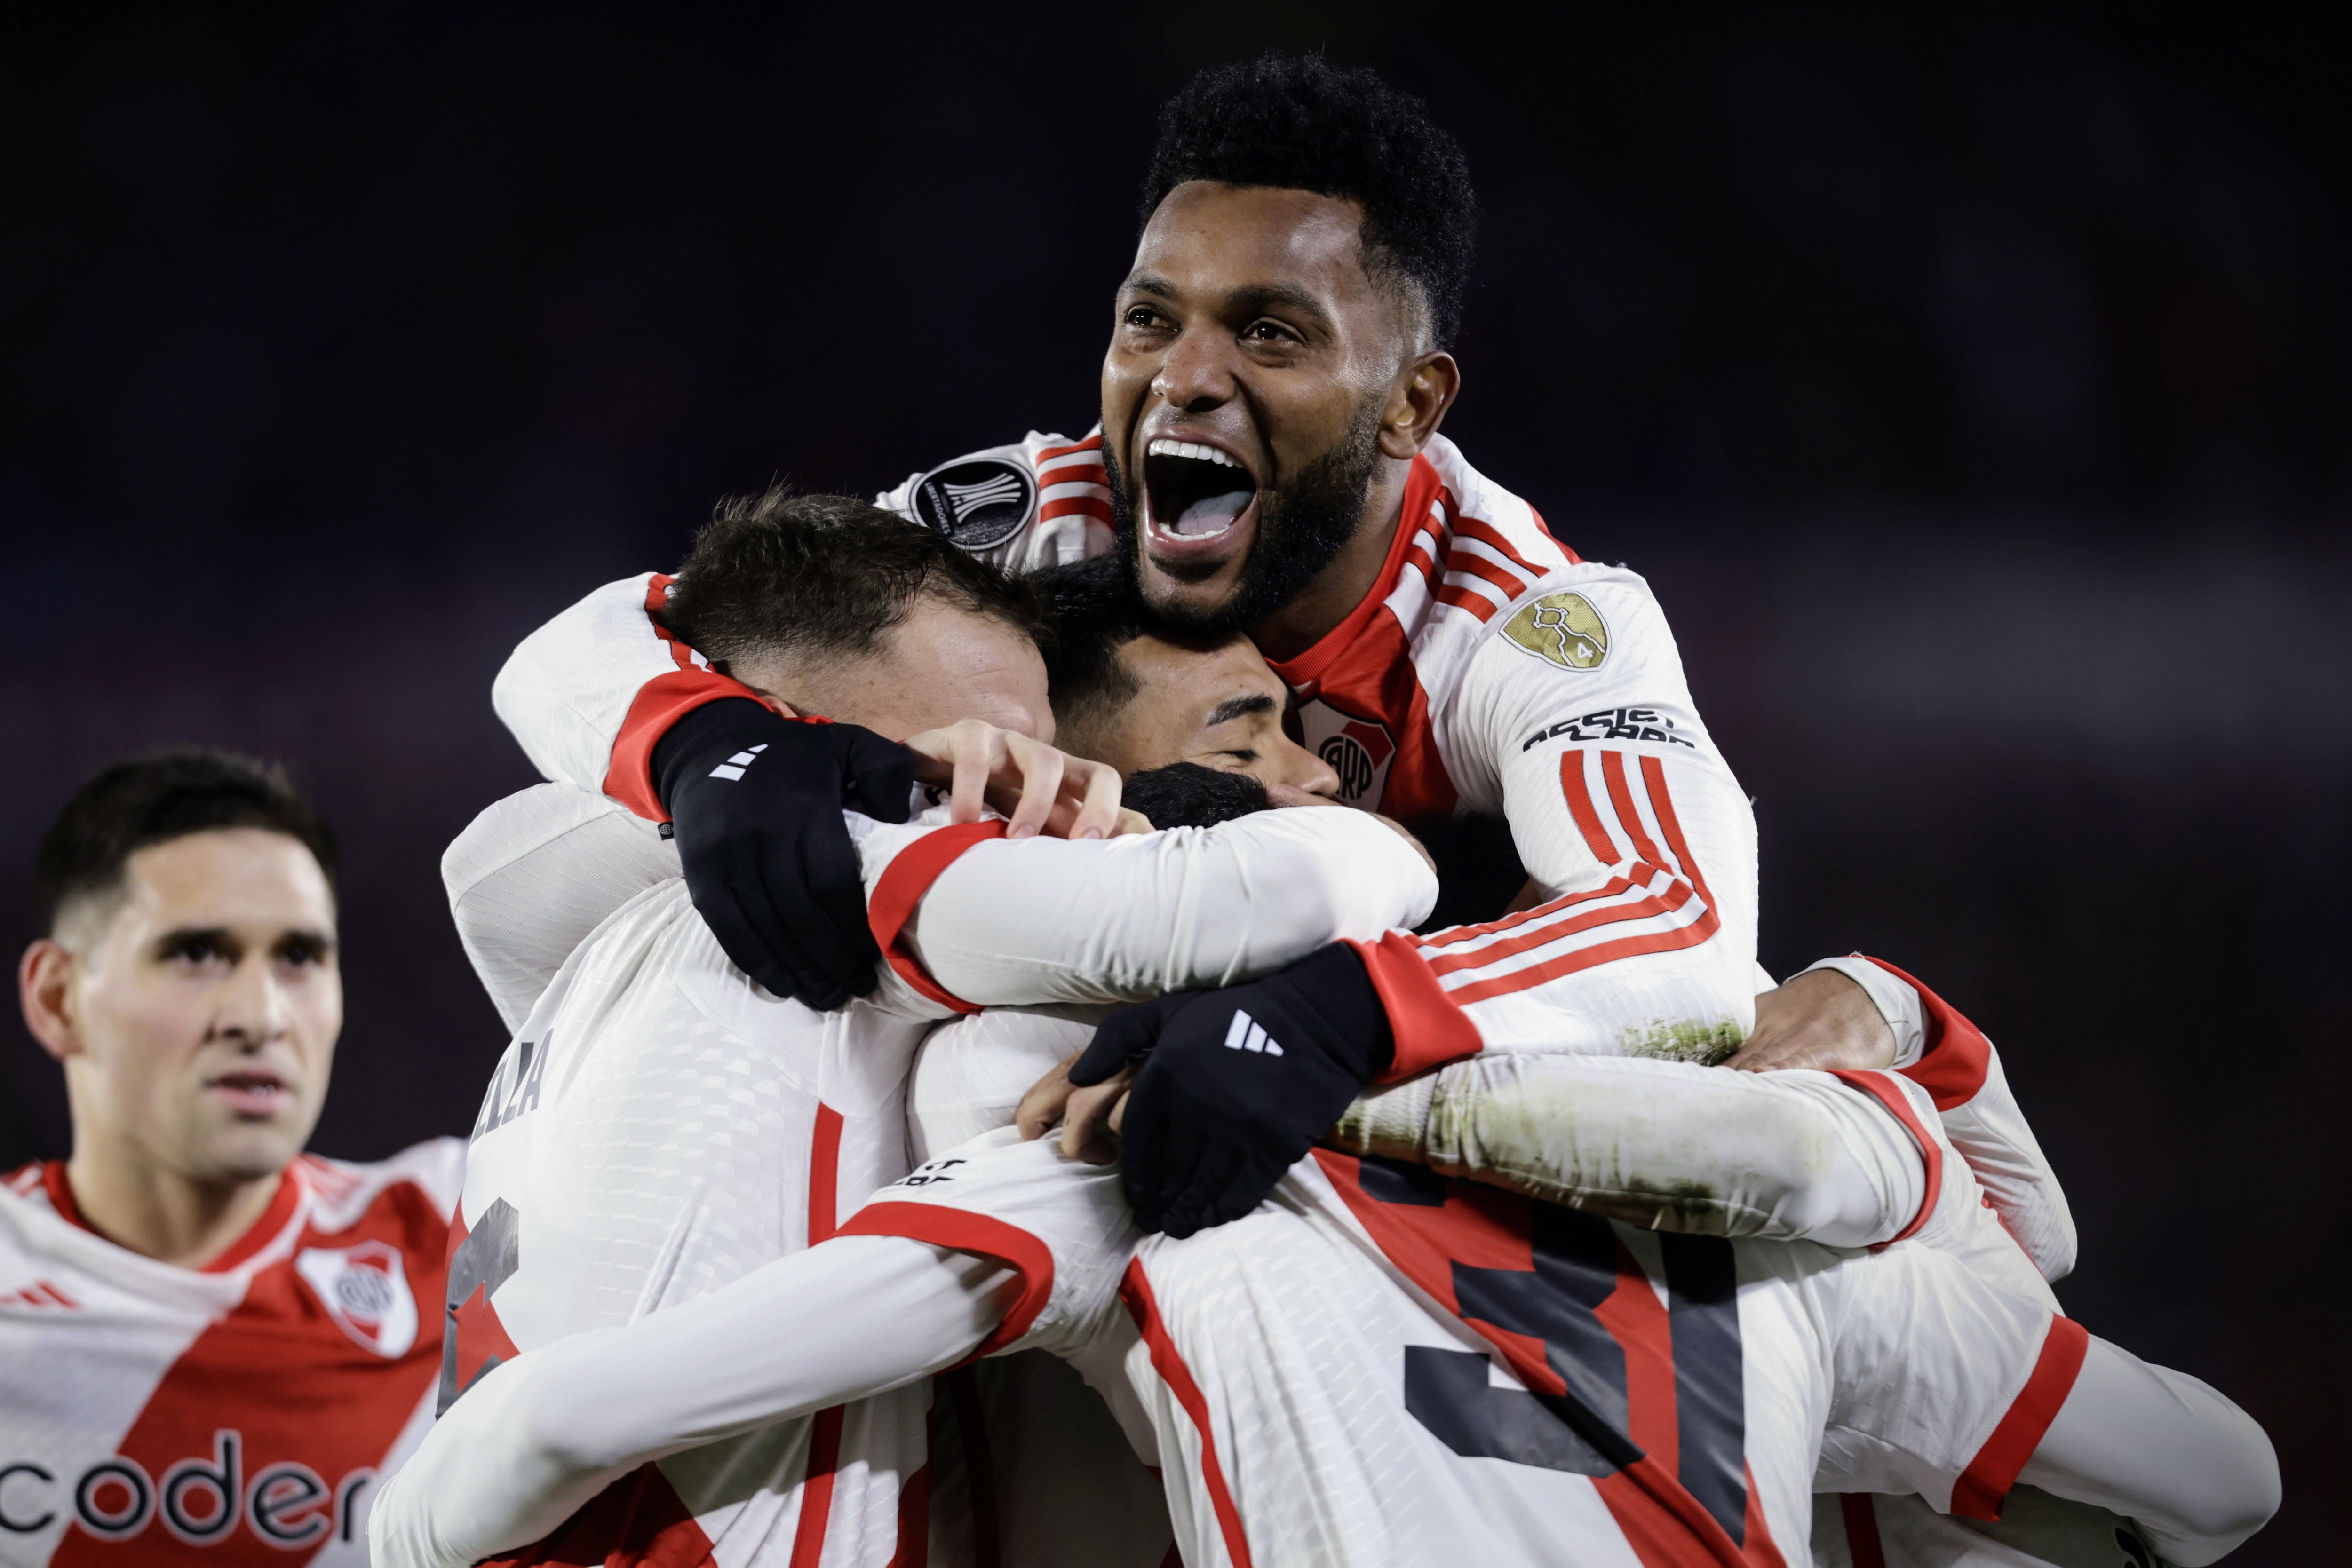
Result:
[1897,1003]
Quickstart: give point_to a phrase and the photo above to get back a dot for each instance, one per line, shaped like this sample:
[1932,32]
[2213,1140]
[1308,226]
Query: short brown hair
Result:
[824,575]
[153,800]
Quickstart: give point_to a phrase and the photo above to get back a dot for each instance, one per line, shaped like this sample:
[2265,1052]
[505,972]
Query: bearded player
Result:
[1269,458]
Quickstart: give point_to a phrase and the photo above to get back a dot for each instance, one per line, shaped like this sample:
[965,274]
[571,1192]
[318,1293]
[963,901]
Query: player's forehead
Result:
[1206,241]
[969,664]
[1197,682]
[240,879]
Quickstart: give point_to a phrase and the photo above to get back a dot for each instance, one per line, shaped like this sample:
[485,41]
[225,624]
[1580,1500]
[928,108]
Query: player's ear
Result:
[45,986]
[1418,400]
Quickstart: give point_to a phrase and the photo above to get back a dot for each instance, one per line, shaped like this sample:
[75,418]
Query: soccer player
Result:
[208,1339]
[1075,693]
[664,1124]
[1269,460]
[1383,1366]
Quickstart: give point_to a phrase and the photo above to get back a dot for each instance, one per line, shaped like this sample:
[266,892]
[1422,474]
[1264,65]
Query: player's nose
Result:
[1197,374]
[252,1007]
[1302,769]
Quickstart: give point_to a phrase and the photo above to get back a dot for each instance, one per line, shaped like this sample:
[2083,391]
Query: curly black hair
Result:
[1301,123]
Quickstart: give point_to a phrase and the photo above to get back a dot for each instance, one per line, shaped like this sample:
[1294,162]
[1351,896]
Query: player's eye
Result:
[301,951]
[196,950]
[1242,754]
[1143,315]
[1266,332]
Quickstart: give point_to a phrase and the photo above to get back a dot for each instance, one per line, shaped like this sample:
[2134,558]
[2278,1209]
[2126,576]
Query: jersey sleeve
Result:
[1575,712]
[971,919]
[533,875]
[1939,1049]
[590,694]
[1943,1384]
[1061,1225]
[1044,500]
[1671,1146]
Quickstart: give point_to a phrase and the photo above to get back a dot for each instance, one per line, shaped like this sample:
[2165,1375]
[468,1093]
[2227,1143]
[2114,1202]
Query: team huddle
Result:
[984,1086]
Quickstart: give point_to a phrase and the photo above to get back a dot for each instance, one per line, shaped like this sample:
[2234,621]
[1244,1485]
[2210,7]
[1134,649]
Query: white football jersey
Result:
[241,1413]
[1383,1366]
[1488,670]
[664,1125]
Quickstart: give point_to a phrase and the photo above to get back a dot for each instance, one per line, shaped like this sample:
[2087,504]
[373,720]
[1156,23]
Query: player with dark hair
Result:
[662,1123]
[1269,461]
[205,1335]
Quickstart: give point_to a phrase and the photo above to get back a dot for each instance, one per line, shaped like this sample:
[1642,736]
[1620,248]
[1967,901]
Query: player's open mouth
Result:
[1196,497]
[252,1091]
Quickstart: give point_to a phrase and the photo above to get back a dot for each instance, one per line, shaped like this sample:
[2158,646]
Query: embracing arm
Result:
[1041,921]
[1940,1051]
[544,1432]
[1670,1146]
[592,692]
[1633,828]
[2194,1471]
[533,875]
[1945,1385]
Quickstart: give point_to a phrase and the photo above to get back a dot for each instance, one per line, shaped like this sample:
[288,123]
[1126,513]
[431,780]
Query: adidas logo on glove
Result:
[733,766]
[1246,1033]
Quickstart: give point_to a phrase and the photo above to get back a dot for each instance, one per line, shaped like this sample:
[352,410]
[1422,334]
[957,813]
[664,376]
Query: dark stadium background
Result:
[1972,384]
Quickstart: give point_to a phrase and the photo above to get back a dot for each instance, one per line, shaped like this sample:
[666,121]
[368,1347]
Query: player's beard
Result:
[1300,526]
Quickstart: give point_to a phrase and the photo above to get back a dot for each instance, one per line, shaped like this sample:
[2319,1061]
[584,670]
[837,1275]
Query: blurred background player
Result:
[207,1338]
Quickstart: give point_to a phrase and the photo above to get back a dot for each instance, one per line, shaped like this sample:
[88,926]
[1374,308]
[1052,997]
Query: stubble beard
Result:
[1300,527]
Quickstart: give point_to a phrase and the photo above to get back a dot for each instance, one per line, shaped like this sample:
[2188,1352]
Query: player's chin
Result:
[249,1148]
[1193,584]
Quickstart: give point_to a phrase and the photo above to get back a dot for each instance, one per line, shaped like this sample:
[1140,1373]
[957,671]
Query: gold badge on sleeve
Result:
[1563,628]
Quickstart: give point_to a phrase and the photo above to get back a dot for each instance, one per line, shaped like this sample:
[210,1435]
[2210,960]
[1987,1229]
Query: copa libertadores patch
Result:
[1563,628]
[977,504]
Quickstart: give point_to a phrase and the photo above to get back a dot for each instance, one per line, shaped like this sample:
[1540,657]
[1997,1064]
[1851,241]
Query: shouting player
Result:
[208,1340]
[1279,359]
[1269,460]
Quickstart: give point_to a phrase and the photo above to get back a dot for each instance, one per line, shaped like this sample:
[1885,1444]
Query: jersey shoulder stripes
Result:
[1370,694]
[246,1408]
[1044,500]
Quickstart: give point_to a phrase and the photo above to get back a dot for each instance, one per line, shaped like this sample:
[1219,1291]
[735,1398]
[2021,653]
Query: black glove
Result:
[755,801]
[1238,1083]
